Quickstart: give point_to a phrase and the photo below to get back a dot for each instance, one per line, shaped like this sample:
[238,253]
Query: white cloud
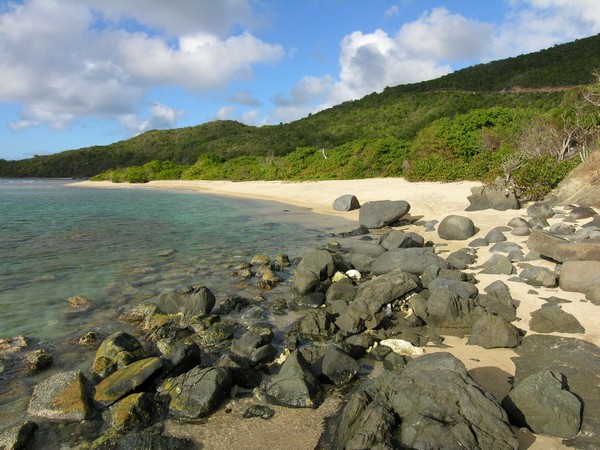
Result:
[244,98]
[392,11]
[58,62]
[161,116]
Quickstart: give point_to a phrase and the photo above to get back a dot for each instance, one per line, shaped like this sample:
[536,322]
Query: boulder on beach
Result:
[315,267]
[346,202]
[456,228]
[295,386]
[552,318]
[431,403]
[412,260]
[499,196]
[378,214]
[579,276]
[196,393]
[491,331]
[542,403]
[540,211]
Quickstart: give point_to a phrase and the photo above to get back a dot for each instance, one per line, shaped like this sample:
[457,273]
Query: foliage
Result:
[537,177]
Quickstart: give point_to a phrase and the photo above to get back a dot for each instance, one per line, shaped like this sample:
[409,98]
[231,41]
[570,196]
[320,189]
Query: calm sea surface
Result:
[121,246]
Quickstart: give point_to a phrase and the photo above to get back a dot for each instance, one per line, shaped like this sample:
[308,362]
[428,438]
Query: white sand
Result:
[491,368]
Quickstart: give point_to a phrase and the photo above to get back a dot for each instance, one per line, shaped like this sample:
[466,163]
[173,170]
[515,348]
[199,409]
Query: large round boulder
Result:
[456,228]
[346,202]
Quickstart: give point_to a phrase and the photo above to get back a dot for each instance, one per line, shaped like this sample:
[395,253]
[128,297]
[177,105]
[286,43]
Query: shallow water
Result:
[119,247]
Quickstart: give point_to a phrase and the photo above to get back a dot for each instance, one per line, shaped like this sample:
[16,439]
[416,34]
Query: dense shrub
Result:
[537,177]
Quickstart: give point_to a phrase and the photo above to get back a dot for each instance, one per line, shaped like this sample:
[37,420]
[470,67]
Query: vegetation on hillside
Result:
[528,118]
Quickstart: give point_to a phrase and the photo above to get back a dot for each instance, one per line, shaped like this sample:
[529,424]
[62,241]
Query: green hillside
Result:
[464,125]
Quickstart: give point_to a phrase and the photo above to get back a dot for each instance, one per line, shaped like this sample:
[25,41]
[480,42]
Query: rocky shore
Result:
[408,331]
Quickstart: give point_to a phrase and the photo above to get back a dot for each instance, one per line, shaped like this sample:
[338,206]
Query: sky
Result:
[77,73]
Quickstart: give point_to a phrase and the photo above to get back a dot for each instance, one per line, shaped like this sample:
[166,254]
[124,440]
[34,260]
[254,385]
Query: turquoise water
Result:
[121,246]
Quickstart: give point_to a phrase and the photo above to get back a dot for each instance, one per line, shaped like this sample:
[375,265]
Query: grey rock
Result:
[444,309]
[372,296]
[460,288]
[145,440]
[262,411]
[494,236]
[367,248]
[337,366]
[317,324]
[305,282]
[582,212]
[552,318]
[64,396]
[517,222]
[494,332]
[456,228]
[498,265]
[192,301]
[400,239]
[479,242]
[521,231]
[197,393]
[381,213]
[411,260]
[416,407]
[136,411]
[346,202]
[362,263]
[317,266]
[179,356]
[498,196]
[540,210]
[505,247]
[579,276]
[341,291]
[562,229]
[499,301]
[542,403]
[248,342]
[578,361]
[295,386]
[539,276]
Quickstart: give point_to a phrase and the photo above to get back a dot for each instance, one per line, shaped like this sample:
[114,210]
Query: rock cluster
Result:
[383,297]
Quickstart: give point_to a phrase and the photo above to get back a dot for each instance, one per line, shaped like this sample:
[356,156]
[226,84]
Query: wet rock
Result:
[491,331]
[178,356]
[64,396]
[39,359]
[295,386]
[248,342]
[540,210]
[80,303]
[394,361]
[341,291]
[116,351]
[411,260]
[125,380]
[281,261]
[143,440]
[192,301]
[18,437]
[260,260]
[136,411]
[539,276]
[197,393]
[456,228]
[219,333]
[314,268]
[89,338]
[346,202]
[579,276]
[378,214]
[431,403]
[262,411]
[336,366]
[551,318]
[542,403]
[316,324]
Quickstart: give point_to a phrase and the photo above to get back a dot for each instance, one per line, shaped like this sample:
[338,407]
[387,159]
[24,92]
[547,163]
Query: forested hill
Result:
[397,114]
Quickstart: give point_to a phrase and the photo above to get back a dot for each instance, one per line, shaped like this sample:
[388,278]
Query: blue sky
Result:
[76,73]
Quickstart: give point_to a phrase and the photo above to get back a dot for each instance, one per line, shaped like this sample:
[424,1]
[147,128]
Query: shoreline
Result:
[492,368]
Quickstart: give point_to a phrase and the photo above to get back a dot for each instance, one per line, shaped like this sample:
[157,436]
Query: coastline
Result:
[493,368]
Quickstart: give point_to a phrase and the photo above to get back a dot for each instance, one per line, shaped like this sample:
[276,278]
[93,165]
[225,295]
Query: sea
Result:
[120,247]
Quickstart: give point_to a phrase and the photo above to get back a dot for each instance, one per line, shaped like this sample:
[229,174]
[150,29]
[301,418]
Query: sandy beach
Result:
[429,201]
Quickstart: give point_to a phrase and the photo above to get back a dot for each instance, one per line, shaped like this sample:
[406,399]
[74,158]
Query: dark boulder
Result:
[295,386]
[197,393]
[539,276]
[381,213]
[499,196]
[582,212]
[314,268]
[551,319]
[411,260]
[336,366]
[498,300]
[116,351]
[444,309]
[456,228]
[192,301]
[540,210]
[491,331]
[543,403]
[144,440]
[136,411]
